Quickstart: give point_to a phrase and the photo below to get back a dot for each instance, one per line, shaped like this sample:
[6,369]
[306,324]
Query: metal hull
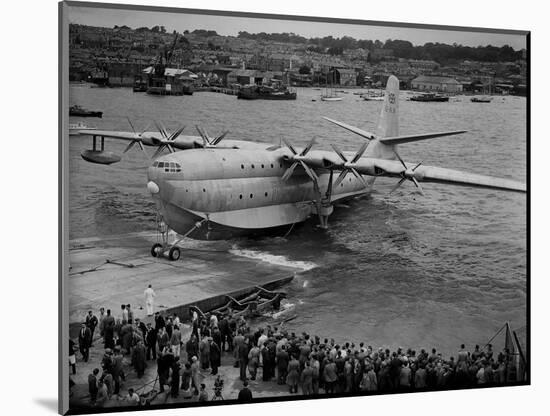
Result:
[182,220]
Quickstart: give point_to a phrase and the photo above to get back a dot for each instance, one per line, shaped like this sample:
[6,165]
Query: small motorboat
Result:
[78,111]
[481,99]
[430,97]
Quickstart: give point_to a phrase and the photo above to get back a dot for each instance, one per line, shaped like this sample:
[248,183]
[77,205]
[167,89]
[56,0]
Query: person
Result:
[151,342]
[195,374]
[84,341]
[92,385]
[139,358]
[282,365]
[330,376]
[204,349]
[102,316]
[242,353]
[186,381]
[253,361]
[109,330]
[215,356]
[149,295]
[72,356]
[159,322]
[293,375]
[164,363]
[307,379]
[116,368]
[175,382]
[130,313]
[132,398]
[123,315]
[102,394]
[91,322]
[162,339]
[192,347]
[203,395]
[175,341]
[405,377]
[245,395]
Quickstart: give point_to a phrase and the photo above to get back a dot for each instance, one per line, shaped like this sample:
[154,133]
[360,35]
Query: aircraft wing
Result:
[441,175]
[113,134]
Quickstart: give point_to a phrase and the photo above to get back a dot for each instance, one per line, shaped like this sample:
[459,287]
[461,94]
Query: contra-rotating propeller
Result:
[297,160]
[348,165]
[167,138]
[407,173]
[137,138]
[208,141]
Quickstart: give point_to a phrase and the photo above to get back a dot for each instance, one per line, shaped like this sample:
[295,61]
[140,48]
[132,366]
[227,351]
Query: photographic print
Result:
[266,208]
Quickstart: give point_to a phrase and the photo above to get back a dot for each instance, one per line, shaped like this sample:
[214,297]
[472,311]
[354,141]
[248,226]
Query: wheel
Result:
[156,249]
[174,254]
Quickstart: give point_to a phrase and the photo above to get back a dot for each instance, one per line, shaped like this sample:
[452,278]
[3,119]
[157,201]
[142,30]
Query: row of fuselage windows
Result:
[176,167]
[168,166]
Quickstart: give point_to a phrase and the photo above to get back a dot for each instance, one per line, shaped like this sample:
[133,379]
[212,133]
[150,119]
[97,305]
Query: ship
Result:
[430,97]
[78,111]
[265,93]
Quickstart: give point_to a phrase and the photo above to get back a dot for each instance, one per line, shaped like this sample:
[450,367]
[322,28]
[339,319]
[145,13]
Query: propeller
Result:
[348,165]
[137,139]
[210,141]
[298,161]
[167,139]
[407,174]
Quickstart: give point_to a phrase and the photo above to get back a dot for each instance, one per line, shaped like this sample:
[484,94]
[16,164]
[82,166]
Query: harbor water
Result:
[408,270]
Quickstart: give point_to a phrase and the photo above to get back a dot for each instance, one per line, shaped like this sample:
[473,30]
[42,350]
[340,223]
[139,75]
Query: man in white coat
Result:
[149,300]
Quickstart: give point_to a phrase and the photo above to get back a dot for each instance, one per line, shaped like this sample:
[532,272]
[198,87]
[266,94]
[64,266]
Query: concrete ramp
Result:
[111,271]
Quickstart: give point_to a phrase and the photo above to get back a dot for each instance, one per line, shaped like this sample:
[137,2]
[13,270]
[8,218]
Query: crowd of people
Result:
[303,363]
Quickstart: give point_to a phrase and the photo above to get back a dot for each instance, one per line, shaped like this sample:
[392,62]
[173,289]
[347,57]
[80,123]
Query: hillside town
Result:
[122,56]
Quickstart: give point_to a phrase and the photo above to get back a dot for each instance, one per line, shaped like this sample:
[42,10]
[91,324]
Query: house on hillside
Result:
[435,83]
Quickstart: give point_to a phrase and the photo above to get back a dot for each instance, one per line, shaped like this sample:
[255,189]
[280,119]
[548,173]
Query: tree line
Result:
[439,52]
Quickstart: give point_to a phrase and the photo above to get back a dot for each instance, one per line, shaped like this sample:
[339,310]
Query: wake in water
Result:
[272,258]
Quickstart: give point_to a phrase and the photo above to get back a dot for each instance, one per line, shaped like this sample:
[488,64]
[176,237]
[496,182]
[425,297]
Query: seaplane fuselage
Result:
[237,191]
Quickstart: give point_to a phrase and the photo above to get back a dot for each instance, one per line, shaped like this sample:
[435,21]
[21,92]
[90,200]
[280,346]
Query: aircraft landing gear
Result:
[164,248]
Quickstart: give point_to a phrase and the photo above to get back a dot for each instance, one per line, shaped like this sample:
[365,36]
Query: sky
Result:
[225,25]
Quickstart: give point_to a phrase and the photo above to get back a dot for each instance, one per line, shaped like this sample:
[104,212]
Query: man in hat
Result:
[109,330]
[92,385]
[245,395]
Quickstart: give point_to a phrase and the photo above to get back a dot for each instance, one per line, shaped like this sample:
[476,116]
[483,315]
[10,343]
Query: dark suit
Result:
[245,395]
[91,322]
[151,341]
[84,342]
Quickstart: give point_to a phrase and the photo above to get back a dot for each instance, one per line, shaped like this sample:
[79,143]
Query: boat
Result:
[429,97]
[373,96]
[483,99]
[330,94]
[78,111]
[259,301]
[74,128]
[263,92]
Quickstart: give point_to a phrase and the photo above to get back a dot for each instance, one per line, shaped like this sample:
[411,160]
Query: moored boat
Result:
[265,93]
[430,97]
[481,99]
[78,111]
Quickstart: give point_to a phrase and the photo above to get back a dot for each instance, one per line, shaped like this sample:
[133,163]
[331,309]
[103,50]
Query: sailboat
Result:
[330,95]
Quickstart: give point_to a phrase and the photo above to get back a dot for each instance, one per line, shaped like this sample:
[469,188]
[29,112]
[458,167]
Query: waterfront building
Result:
[436,83]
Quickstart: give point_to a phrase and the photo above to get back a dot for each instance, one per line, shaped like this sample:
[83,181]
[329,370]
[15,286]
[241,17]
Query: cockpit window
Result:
[155,164]
[161,164]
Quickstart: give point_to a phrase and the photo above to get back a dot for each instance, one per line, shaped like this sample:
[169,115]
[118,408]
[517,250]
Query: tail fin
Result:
[388,124]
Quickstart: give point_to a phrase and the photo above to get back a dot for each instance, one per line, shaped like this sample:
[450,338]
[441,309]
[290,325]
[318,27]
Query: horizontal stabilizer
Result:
[416,137]
[366,134]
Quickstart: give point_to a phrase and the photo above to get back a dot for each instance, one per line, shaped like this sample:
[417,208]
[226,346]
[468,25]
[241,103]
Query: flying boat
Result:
[216,188]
